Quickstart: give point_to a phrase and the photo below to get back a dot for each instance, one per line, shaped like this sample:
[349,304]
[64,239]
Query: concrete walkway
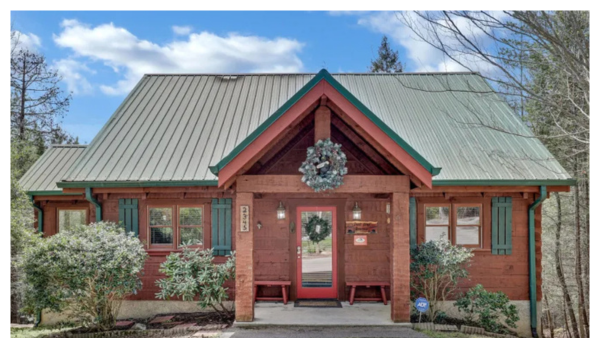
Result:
[323,332]
[359,314]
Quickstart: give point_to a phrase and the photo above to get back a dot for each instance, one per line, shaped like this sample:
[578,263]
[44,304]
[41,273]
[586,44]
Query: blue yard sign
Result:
[422,304]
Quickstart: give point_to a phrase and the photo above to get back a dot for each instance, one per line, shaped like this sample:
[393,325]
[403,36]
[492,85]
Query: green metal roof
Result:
[172,128]
[50,168]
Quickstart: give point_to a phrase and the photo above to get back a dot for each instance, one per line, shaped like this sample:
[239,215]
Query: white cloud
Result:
[26,41]
[72,73]
[182,30]
[422,56]
[203,52]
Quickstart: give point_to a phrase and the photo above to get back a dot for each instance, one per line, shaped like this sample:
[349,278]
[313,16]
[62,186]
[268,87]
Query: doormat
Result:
[317,303]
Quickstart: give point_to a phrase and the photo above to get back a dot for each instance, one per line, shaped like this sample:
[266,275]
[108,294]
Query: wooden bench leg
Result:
[352,292]
[285,296]
[383,295]
[255,292]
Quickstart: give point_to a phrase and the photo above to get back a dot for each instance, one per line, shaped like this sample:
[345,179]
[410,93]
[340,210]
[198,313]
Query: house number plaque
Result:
[244,218]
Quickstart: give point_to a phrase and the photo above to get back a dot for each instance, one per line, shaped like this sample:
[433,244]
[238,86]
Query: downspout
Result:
[91,199]
[40,214]
[532,267]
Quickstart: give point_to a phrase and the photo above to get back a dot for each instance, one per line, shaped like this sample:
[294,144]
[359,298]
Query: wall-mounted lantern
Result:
[280,211]
[356,212]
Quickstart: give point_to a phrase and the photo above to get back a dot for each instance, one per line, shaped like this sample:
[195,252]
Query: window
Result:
[190,225]
[437,222]
[68,218]
[468,225]
[462,228]
[171,226]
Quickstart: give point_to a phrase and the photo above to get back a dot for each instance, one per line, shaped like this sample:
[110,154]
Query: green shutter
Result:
[502,225]
[128,214]
[221,226]
[412,212]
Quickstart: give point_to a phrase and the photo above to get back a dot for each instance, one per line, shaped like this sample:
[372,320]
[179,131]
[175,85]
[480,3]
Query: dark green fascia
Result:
[91,199]
[324,75]
[532,267]
[50,193]
[40,214]
[137,184]
[566,182]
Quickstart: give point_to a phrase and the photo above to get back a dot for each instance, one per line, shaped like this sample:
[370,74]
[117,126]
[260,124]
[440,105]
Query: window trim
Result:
[174,225]
[58,209]
[455,225]
[448,225]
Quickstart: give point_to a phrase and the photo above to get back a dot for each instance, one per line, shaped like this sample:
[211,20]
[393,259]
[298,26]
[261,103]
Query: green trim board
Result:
[50,193]
[324,75]
[137,184]
[567,182]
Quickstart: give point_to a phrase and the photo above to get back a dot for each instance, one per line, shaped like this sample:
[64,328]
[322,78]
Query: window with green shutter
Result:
[501,225]
[128,214]
[221,226]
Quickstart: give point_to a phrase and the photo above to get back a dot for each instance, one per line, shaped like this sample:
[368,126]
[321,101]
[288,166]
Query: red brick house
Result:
[227,147]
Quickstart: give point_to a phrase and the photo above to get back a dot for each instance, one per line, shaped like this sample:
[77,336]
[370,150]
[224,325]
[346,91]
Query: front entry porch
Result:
[359,314]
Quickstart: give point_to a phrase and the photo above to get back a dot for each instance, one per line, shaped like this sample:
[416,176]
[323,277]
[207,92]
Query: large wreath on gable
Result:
[325,166]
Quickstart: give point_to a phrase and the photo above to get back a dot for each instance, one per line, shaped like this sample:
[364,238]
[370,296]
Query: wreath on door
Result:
[317,228]
[325,166]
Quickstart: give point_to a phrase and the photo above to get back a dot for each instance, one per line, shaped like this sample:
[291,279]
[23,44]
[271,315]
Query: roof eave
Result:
[553,182]
[137,184]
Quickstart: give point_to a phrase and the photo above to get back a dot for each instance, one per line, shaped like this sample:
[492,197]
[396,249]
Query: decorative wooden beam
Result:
[367,184]
[322,123]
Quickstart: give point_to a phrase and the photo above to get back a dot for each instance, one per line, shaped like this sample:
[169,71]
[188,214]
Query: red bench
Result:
[284,292]
[381,286]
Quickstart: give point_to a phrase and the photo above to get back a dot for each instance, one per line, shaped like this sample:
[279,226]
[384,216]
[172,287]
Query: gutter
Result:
[40,214]
[91,199]
[532,267]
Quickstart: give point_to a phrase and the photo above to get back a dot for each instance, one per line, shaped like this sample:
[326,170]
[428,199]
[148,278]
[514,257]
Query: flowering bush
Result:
[192,273]
[86,270]
[436,268]
[484,309]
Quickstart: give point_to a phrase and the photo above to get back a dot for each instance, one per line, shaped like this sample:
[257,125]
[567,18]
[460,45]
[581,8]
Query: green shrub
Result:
[192,274]
[86,271]
[436,268]
[484,309]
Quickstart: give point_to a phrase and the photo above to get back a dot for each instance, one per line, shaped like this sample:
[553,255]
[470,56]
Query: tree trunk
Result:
[549,316]
[559,269]
[23,95]
[583,321]
[566,318]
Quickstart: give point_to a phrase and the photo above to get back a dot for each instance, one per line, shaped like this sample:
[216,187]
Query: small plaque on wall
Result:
[361,227]
[244,218]
[360,239]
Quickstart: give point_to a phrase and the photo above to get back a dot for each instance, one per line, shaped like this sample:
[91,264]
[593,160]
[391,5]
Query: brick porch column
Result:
[244,261]
[400,257]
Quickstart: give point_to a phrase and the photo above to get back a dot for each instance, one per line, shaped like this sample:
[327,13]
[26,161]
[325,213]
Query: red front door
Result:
[317,267]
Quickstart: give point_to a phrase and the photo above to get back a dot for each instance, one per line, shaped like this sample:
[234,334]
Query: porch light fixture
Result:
[280,211]
[356,212]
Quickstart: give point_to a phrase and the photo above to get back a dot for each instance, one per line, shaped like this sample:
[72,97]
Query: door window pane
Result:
[437,215]
[467,215]
[317,257]
[467,235]
[436,233]
[69,218]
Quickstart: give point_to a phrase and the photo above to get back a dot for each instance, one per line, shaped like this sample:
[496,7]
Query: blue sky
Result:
[101,55]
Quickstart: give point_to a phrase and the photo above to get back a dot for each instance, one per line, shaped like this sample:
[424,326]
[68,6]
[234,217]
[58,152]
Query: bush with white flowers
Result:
[85,271]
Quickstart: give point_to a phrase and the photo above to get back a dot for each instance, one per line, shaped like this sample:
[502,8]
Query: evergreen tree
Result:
[387,60]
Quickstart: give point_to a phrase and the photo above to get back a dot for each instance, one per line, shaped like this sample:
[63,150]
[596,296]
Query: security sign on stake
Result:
[421,304]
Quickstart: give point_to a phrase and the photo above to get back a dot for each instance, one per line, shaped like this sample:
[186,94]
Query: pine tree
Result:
[387,60]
